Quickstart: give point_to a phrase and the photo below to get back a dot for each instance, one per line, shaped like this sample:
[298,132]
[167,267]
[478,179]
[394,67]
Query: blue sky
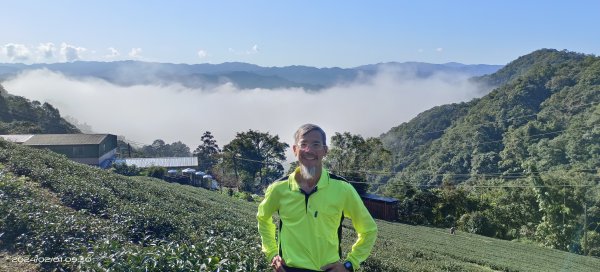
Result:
[281,33]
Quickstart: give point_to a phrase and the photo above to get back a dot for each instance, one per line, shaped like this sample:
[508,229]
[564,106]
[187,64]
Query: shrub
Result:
[156,172]
[123,169]
[475,222]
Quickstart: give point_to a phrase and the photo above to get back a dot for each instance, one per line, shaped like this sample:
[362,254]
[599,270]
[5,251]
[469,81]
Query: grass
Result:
[52,207]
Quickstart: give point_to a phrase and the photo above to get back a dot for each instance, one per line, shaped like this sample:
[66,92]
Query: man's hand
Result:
[334,267]
[277,263]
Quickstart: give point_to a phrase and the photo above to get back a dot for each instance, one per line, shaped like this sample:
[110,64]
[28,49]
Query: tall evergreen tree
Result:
[207,152]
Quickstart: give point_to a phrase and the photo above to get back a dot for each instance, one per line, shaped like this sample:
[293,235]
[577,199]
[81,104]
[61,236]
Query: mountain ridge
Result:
[130,72]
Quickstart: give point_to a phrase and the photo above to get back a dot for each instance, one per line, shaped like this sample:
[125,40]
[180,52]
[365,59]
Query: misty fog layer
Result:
[368,107]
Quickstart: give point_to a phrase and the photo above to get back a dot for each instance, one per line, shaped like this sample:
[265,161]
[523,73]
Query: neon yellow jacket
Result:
[310,223]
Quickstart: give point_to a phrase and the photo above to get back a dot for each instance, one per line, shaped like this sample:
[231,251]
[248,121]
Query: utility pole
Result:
[564,204]
[237,176]
[585,237]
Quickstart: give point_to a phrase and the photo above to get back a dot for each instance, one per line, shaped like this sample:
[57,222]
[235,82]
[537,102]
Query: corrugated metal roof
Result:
[17,138]
[379,198]
[164,162]
[66,139]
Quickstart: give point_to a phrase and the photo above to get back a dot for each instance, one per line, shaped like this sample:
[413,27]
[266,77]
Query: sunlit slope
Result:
[403,247]
[52,207]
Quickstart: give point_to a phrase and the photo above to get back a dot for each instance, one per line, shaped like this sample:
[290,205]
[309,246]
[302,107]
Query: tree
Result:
[476,222]
[207,152]
[560,210]
[156,149]
[256,159]
[177,149]
[346,157]
[156,172]
[379,160]
[452,203]
[50,119]
[126,149]
[513,210]
[593,243]
[19,115]
[4,113]
[356,159]
[159,148]
[418,209]
[123,169]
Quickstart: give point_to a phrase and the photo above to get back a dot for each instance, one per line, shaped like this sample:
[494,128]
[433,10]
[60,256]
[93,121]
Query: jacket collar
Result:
[322,183]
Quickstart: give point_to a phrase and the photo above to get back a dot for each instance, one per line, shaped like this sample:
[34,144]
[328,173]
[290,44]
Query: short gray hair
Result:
[306,128]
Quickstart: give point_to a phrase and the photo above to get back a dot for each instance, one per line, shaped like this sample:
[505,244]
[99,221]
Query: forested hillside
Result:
[19,115]
[520,163]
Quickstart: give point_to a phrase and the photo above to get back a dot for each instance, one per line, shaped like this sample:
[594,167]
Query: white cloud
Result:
[135,53]
[202,54]
[46,50]
[175,113]
[439,49]
[251,51]
[113,53]
[70,52]
[16,52]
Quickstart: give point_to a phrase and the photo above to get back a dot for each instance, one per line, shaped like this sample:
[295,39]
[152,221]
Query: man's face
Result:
[310,150]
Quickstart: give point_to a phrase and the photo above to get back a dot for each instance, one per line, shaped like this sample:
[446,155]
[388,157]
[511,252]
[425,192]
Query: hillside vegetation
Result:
[53,207]
[545,112]
[19,115]
[522,162]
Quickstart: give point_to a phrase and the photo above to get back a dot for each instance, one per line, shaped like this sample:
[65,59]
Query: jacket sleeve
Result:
[266,227]
[365,227]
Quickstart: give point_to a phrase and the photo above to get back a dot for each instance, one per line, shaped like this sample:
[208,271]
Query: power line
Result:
[532,186]
[263,162]
[498,176]
[510,175]
[468,144]
[483,186]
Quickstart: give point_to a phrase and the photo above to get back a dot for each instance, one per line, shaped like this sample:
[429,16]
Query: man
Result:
[312,204]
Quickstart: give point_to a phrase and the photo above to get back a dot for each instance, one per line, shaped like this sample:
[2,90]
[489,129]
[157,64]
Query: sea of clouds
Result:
[143,113]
